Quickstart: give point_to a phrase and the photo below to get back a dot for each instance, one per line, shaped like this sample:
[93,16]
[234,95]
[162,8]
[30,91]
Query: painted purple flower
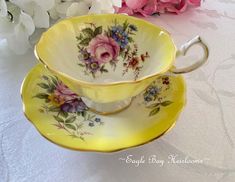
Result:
[75,105]
[93,66]
[84,55]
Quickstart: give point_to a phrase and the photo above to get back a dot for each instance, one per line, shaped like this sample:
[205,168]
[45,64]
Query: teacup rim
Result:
[114,82]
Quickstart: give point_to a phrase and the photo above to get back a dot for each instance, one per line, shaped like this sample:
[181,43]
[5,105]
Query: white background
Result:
[205,129]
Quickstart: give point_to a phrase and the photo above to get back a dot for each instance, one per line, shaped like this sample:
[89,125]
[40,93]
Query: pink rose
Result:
[103,49]
[63,94]
[136,4]
[149,7]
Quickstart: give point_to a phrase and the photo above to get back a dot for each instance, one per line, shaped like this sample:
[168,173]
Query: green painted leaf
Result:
[50,90]
[52,86]
[82,65]
[64,114]
[105,70]
[92,117]
[54,80]
[130,39]
[79,126]
[84,114]
[47,100]
[70,126]
[166,103]
[41,96]
[54,109]
[98,30]
[70,119]
[45,77]
[80,37]
[154,111]
[43,85]
[88,31]
[125,25]
[102,69]
[153,105]
[57,118]
[85,42]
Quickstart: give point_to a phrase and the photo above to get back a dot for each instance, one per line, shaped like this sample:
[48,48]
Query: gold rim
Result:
[110,83]
[104,151]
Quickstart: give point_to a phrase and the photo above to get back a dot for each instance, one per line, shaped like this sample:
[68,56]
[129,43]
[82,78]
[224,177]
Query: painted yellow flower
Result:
[55,100]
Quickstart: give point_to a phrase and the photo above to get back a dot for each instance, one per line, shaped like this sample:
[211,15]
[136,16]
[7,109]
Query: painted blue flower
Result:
[153,90]
[148,98]
[120,36]
[97,120]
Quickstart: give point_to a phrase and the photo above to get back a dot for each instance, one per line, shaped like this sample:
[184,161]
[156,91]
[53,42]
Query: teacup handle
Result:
[184,49]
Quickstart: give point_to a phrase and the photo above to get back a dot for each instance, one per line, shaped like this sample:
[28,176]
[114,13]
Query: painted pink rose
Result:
[103,49]
[63,94]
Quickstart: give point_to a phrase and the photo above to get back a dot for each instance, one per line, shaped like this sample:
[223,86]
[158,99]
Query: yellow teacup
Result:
[109,59]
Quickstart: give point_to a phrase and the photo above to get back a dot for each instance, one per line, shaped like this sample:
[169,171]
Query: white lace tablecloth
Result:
[204,133]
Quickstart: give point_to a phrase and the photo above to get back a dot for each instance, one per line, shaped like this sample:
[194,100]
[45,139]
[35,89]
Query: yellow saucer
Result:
[61,116]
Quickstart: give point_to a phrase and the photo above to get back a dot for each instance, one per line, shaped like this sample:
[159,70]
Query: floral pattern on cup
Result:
[154,97]
[99,46]
[69,111]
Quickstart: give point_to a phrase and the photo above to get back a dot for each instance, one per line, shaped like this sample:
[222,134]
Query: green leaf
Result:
[130,39]
[88,31]
[79,126]
[98,30]
[85,42]
[52,87]
[70,119]
[57,118]
[84,114]
[82,65]
[166,103]
[70,126]
[80,37]
[92,117]
[47,100]
[43,85]
[64,114]
[45,77]
[125,25]
[153,105]
[54,80]
[50,90]
[41,96]
[102,69]
[154,111]
[54,109]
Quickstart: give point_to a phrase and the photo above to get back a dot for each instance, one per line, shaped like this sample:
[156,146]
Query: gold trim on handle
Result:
[183,51]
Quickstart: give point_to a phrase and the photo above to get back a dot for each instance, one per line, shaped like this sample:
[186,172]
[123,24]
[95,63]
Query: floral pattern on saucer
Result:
[98,47]
[66,107]
[153,95]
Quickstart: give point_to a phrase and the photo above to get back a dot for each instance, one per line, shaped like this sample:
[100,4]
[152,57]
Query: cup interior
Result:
[106,48]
